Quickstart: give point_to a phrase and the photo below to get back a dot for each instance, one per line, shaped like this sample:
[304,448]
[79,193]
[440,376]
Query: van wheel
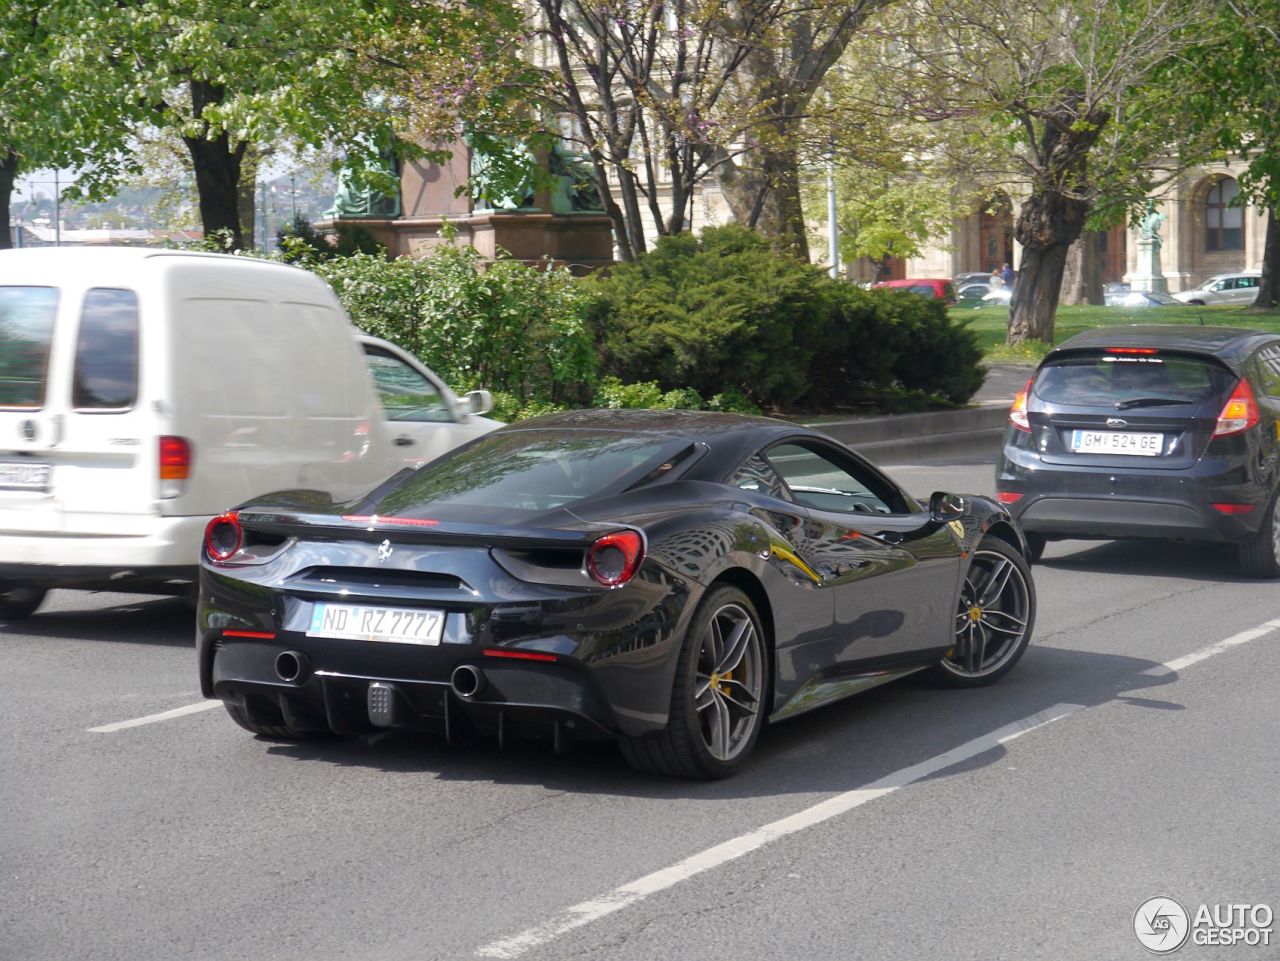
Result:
[18,603]
[1260,557]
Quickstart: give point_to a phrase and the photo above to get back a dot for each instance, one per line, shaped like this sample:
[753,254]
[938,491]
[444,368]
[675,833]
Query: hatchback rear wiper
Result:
[1150,402]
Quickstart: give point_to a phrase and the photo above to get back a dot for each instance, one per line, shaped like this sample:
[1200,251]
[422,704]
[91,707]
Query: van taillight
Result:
[175,465]
[1239,413]
[1018,411]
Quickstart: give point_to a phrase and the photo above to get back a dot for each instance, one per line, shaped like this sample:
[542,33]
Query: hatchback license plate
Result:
[391,625]
[17,475]
[1116,442]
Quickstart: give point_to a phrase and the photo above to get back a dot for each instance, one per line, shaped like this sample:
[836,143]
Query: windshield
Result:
[1110,380]
[26,328]
[533,470]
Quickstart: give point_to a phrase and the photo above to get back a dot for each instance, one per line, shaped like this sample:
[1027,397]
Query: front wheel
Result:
[994,618]
[719,696]
[19,603]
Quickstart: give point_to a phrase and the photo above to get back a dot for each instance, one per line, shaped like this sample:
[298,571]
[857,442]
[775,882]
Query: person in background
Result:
[1006,276]
[997,279]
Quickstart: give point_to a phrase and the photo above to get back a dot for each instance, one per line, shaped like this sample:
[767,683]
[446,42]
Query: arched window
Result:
[1224,224]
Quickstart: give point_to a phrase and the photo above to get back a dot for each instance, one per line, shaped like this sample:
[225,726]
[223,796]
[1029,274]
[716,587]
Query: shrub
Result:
[725,316]
[710,313]
[501,325]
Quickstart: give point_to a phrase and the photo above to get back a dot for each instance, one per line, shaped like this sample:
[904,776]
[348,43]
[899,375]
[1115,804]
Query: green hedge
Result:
[502,325]
[725,312]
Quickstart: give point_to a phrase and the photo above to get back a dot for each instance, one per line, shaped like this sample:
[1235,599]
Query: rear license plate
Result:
[1116,442]
[391,625]
[20,476]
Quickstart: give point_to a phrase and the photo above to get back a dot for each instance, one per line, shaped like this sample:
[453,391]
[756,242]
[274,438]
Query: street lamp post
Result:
[833,231]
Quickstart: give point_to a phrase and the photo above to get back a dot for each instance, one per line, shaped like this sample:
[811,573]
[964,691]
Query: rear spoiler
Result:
[413,530]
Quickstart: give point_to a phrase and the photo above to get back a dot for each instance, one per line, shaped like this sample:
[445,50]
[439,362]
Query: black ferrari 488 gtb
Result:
[665,578]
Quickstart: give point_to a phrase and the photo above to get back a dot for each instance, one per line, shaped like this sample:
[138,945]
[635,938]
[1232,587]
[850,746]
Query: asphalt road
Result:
[186,838]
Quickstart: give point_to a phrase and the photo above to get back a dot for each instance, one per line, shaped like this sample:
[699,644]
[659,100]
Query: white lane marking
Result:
[155,718]
[619,898]
[1235,640]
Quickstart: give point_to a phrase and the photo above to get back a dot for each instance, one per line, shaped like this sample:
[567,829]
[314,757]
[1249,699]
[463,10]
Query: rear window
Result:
[106,373]
[534,470]
[26,329]
[1104,380]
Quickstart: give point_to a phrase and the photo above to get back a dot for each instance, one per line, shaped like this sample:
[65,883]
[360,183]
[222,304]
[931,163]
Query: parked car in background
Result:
[998,296]
[673,580]
[970,295]
[1239,287]
[425,418]
[972,277]
[1150,432]
[1140,298]
[144,391]
[935,288]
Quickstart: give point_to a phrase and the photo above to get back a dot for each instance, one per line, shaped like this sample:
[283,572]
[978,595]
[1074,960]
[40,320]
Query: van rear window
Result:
[106,374]
[1104,380]
[26,329]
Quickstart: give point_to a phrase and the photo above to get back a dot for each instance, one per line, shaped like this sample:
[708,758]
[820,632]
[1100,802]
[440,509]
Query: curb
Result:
[908,438]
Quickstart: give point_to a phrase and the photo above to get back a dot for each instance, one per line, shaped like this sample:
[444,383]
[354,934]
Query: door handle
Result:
[403,441]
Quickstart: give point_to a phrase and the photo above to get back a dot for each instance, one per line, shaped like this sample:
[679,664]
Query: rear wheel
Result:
[994,618]
[17,603]
[718,699]
[279,732]
[1260,557]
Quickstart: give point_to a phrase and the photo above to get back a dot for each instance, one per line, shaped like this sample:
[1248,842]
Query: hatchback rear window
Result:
[1105,380]
[534,470]
[26,329]
[106,373]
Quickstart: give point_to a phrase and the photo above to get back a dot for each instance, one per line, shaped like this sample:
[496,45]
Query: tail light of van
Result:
[1239,413]
[1018,410]
[175,465]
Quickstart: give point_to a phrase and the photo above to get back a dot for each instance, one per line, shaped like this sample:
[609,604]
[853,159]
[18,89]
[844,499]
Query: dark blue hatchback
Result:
[1150,432]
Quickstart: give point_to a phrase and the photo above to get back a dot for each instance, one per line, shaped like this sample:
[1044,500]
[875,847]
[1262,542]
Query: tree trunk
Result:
[767,198]
[1082,278]
[247,204]
[1048,224]
[217,168]
[8,174]
[1266,299]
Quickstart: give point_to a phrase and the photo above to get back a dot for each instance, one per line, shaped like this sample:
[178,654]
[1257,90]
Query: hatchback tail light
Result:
[1018,411]
[614,559]
[1239,413]
[175,465]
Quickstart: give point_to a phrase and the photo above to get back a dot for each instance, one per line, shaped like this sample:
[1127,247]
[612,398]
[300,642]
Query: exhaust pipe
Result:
[292,666]
[467,681]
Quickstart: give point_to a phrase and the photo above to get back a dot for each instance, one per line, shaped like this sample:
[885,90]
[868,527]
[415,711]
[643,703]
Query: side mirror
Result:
[945,507]
[478,402]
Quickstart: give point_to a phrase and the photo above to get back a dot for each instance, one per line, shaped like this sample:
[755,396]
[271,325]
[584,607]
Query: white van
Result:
[144,391]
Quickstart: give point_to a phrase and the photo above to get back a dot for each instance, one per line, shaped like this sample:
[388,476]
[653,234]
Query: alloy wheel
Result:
[728,681]
[992,617]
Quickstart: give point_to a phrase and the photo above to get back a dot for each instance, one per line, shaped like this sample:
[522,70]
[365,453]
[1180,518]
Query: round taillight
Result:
[614,559]
[223,537]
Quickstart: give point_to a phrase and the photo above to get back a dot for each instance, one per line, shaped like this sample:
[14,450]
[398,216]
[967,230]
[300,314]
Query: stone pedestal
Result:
[433,194]
[1148,275]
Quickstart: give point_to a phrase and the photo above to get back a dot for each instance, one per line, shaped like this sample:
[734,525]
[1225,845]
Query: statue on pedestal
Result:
[1149,226]
[352,200]
[1149,276]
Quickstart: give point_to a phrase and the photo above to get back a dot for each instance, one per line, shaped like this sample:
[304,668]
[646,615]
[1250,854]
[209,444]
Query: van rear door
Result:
[73,423]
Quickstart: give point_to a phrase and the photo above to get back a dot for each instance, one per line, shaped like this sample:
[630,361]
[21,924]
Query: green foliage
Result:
[612,392]
[726,317]
[503,325]
[302,244]
[707,312]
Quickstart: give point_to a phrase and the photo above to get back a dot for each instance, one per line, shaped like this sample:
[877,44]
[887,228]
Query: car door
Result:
[419,413]
[892,572]
[1245,290]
